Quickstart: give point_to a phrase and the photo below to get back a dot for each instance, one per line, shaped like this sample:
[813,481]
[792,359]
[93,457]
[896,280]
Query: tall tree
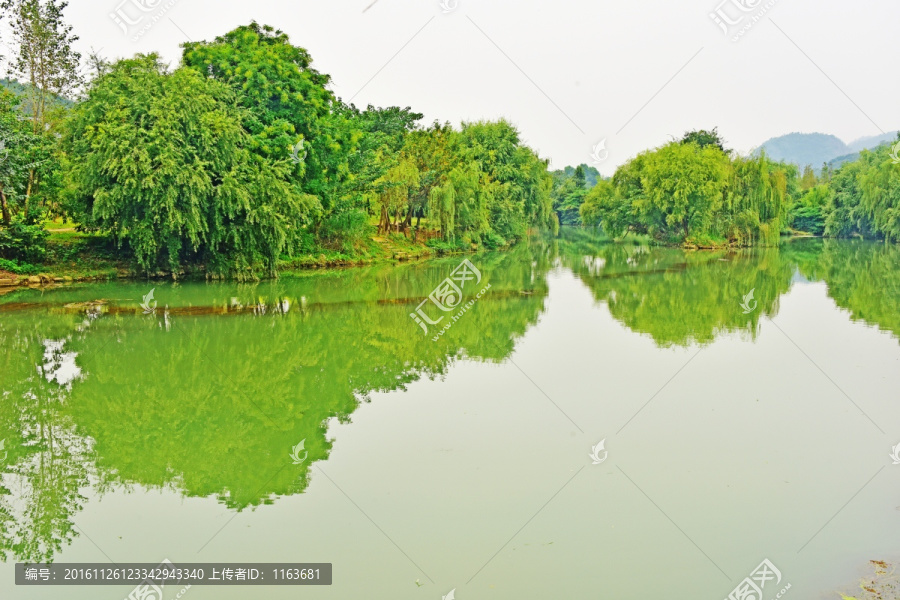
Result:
[287,101]
[161,162]
[44,57]
[704,138]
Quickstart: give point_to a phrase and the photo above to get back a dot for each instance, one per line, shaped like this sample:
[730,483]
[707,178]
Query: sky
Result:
[585,81]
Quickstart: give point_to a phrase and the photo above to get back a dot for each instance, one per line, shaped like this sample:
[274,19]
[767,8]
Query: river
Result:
[598,421]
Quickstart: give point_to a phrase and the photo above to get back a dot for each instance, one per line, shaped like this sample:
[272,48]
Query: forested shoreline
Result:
[696,193]
[240,160]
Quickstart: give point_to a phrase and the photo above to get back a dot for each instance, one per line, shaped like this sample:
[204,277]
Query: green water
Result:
[733,435]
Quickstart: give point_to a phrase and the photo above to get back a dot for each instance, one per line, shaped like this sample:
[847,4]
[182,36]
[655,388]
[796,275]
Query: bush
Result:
[493,241]
[23,242]
[18,268]
[346,231]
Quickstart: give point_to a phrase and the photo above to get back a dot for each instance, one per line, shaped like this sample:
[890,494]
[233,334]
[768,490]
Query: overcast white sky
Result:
[570,73]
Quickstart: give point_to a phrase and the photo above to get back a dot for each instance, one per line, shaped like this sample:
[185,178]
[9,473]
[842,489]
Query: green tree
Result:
[43,55]
[287,103]
[757,200]
[514,179]
[808,179]
[22,153]
[160,161]
[704,138]
[602,207]
[808,214]
[865,198]
[880,186]
[682,187]
[568,195]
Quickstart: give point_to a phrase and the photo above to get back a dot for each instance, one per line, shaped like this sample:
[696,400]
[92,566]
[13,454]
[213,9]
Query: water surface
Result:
[731,435]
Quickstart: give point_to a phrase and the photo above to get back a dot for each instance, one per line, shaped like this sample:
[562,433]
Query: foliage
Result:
[865,199]
[19,268]
[568,195]
[23,241]
[704,138]
[495,188]
[287,103]
[693,192]
[591,174]
[808,214]
[43,52]
[757,201]
[165,167]
[44,57]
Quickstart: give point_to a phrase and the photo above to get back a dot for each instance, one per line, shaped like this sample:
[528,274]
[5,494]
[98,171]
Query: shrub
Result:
[23,242]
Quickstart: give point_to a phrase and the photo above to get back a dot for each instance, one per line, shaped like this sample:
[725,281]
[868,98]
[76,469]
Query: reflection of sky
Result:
[59,366]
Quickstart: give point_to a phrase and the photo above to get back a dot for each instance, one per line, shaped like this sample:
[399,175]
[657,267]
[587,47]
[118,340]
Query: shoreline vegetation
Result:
[240,162]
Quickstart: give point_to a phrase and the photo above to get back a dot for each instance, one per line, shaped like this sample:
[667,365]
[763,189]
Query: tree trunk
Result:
[407,222]
[28,193]
[4,207]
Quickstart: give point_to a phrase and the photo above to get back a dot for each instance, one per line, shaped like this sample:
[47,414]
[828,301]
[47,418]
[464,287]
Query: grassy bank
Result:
[74,256]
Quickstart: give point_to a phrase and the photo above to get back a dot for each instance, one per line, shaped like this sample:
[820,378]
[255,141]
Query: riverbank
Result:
[75,257]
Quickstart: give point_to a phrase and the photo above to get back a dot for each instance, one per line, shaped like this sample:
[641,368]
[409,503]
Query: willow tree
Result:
[516,182]
[160,161]
[682,187]
[880,199]
[393,200]
[459,206]
[602,207]
[757,201]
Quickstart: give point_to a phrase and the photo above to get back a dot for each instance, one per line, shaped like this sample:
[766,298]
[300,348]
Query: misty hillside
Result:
[867,143]
[817,149]
[805,148]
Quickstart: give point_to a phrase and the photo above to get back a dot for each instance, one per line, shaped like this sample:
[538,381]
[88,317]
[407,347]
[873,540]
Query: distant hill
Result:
[817,149]
[21,89]
[870,142]
[805,148]
[889,139]
[835,163]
